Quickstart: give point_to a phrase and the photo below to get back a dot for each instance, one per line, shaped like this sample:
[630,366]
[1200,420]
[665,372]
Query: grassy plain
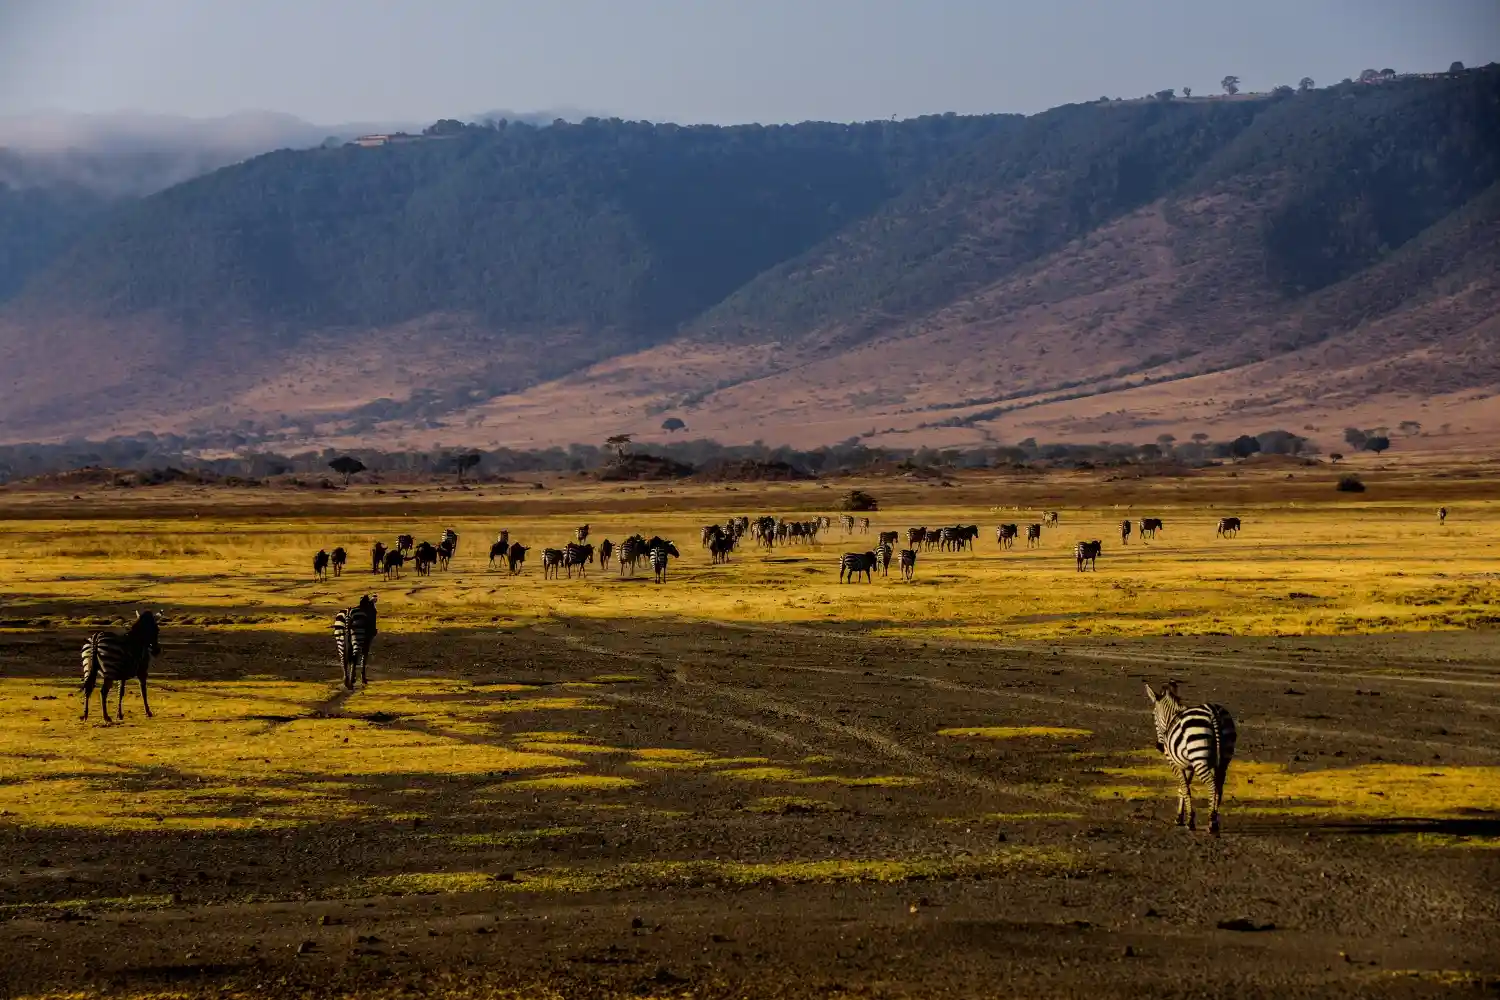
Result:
[949,750]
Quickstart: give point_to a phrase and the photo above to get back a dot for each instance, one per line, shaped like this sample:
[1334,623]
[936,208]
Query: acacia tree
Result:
[346,466]
[1336,457]
[1231,85]
[466,461]
[618,443]
[1187,91]
[1369,76]
[673,424]
[1377,444]
[1456,67]
[1305,84]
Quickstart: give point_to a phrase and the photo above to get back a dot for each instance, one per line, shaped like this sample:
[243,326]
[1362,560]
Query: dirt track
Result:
[1068,890]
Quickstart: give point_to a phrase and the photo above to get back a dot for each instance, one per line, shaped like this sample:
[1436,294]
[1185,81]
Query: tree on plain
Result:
[1305,84]
[1455,67]
[1244,446]
[1377,444]
[673,424]
[346,466]
[1355,438]
[1231,85]
[466,461]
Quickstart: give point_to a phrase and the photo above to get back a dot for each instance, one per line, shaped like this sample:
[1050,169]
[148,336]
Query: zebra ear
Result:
[1151,694]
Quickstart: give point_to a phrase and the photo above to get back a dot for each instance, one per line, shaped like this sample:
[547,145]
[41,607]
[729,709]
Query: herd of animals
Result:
[1198,741]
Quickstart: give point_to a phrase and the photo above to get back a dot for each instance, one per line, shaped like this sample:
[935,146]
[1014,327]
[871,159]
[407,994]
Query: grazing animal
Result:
[393,562]
[662,552]
[110,657]
[852,564]
[883,553]
[353,634]
[516,557]
[405,544]
[320,565]
[1049,518]
[498,551]
[711,532]
[1005,535]
[908,563]
[1229,526]
[377,557]
[1087,554]
[504,539]
[552,561]
[1125,532]
[1033,535]
[583,533]
[1150,526]
[338,559]
[1442,514]
[606,549]
[425,556]
[577,555]
[1199,741]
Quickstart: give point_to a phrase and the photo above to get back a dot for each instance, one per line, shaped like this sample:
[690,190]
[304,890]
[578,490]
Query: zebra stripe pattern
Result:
[661,554]
[1228,526]
[1125,532]
[110,658]
[1033,535]
[1199,742]
[353,634]
[852,564]
[908,563]
[1086,554]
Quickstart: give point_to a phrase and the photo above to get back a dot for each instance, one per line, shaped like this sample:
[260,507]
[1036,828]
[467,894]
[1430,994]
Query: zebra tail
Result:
[91,675]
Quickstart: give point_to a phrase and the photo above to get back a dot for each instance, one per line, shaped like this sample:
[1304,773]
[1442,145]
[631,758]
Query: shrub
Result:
[1351,484]
[858,500]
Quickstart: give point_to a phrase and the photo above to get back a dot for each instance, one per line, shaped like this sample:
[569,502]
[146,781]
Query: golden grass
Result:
[1015,732]
[574,782]
[510,838]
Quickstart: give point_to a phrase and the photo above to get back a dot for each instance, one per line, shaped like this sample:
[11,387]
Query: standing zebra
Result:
[883,555]
[353,635]
[1150,526]
[577,555]
[661,554]
[890,538]
[450,542]
[1442,515]
[1049,518]
[847,521]
[1228,526]
[1125,532]
[908,563]
[1199,741]
[552,560]
[1033,535]
[1087,554]
[320,565]
[110,657]
[1005,535]
[338,559]
[852,564]
[582,532]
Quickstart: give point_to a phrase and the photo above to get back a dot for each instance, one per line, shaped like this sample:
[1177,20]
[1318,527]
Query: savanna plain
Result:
[750,779]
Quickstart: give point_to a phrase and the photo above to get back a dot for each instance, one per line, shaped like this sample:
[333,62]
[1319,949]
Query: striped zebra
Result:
[1125,532]
[449,542]
[1442,515]
[864,526]
[852,564]
[1228,527]
[1005,535]
[552,562]
[581,533]
[320,565]
[908,563]
[883,555]
[109,657]
[1199,742]
[848,522]
[1033,535]
[662,553]
[1049,518]
[445,551]
[337,560]
[1150,526]
[353,634]
[915,537]
[577,555]
[1087,554]
[889,538]
[405,544]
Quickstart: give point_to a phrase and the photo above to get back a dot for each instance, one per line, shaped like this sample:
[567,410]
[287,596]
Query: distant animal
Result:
[1049,518]
[516,557]
[847,521]
[1199,742]
[915,537]
[1125,532]
[445,550]
[1087,554]
[393,562]
[889,537]
[111,658]
[377,557]
[852,564]
[1442,514]
[338,559]
[908,563]
[606,549]
[425,557]
[353,634]
[1033,535]
[631,551]
[1150,526]
[498,551]
[1228,526]
[883,556]
[864,526]
[450,539]
[552,562]
[320,565]
[662,553]
[709,533]
[582,532]
[1005,535]
[405,544]
[577,555]
[503,539]
[719,549]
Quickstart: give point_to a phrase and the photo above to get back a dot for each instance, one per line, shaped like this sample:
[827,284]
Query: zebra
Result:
[405,544]
[498,550]
[1442,515]
[1049,518]
[353,634]
[1150,526]
[711,533]
[515,559]
[1033,535]
[1125,532]
[852,564]
[392,564]
[1199,742]
[582,533]
[339,558]
[445,550]
[915,537]
[424,556]
[661,554]
[552,560]
[1228,526]
[110,657]
[377,557]
[577,555]
[864,526]
[320,565]
[883,554]
[1087,554]
[631,551]
[908,563]
[848,523]
[1005,535]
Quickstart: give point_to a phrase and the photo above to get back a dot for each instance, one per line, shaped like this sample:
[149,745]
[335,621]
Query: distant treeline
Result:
[149,452]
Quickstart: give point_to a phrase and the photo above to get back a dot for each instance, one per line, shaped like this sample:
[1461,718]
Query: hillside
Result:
[1112,269]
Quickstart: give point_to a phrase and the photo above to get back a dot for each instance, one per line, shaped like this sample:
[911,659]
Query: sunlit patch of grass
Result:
[1441,841]
[781,805]
[583,748]
[1015,732]
[765,773]
[817,758]
[549,705]
[509,838]
[97,904]
[671,753]
[1371,790]
[590,782]
[615,679]
[422,883]
[872,781]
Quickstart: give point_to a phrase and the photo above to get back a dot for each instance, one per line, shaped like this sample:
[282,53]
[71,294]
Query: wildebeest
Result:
[908,563]
[426,555]
[1150,526]
[392,564]
[377,557]
[320,565]
[1228,526]
[516,557]
[337,561]
[606,549]
[404,544]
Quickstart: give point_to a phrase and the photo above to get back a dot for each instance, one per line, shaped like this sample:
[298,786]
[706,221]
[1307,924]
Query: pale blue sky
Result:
[710,60]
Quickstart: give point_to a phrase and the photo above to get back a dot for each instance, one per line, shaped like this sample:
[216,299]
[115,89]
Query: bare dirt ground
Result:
[815,834]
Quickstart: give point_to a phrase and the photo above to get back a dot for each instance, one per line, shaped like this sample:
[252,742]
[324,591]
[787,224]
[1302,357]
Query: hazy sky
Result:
[696,60]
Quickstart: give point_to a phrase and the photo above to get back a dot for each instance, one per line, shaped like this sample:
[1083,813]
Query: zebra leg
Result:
[120,702]
[144,700]
[1218,797]
[1184,796]
[1186,778]
[364,663]
[104,697]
